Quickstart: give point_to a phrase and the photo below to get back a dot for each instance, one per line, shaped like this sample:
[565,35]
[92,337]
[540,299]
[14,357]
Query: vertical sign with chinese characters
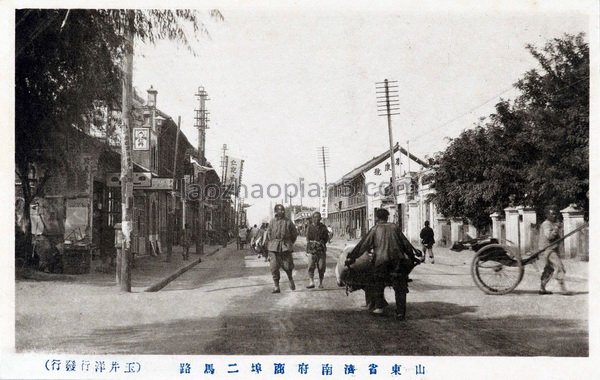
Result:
[233,170]
[323,202]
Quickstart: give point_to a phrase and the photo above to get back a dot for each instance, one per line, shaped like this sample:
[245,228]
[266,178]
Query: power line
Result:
[463,114]
[486,102]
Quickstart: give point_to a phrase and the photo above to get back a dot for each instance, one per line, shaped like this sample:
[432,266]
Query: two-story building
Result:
[81,198]
[353,200]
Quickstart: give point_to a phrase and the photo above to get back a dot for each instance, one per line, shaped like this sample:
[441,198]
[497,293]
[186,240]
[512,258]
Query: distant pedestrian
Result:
[252,235]
[260,242]
[330,233]
[427,239]
[550,233]
[316,249]
[348,231]
[242,236]
[185,241]
[281,236]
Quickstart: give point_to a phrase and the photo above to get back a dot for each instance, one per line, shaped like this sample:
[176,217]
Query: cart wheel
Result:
[496,269]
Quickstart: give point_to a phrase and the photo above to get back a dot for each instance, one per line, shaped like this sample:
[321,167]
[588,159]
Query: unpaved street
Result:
[224,305]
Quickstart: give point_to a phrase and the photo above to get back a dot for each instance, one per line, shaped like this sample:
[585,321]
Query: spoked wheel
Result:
[496,269]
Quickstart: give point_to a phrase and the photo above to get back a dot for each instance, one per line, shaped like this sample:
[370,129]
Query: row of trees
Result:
[531,151]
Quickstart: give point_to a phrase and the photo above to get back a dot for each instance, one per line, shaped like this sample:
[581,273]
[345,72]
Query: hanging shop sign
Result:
[141,138]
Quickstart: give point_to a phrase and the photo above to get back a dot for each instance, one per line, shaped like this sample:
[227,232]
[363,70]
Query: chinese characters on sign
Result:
[323,202]
[233,170]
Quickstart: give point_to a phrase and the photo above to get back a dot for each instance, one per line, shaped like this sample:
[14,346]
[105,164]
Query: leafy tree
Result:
[532,151]
[68,64]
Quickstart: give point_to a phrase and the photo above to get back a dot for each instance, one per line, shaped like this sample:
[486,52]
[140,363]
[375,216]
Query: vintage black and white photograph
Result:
[385,180]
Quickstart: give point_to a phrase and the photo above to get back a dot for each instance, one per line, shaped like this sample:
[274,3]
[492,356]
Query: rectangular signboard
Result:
[141,138]
[141,180]
[162,184]
[323,202]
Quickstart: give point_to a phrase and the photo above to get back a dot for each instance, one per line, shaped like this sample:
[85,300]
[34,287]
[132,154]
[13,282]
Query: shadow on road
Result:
[431,329]
[533,291]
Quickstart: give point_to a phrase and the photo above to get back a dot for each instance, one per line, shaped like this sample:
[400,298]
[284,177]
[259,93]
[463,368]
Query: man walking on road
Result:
[252,237]
[260,243]
[281,236]
[427,240]
[549,233]
[391,261]
[316,249]
[242,236]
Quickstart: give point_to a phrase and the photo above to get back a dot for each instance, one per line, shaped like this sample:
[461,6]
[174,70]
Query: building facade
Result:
[81,198]
[353,200]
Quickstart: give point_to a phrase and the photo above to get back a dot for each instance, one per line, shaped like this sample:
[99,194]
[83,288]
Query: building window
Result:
[154,158]
[114,206]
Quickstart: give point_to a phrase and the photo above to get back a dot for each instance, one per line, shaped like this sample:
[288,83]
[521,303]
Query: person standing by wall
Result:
[427,239]
[316,249]
[281,236]
[549,233]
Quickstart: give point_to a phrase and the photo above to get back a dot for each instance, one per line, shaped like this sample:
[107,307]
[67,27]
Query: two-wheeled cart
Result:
[498,269]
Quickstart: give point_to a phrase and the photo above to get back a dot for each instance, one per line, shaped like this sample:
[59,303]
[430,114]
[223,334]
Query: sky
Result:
[283,82]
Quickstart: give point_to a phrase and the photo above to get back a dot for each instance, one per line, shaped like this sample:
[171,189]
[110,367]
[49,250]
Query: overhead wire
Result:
[486,102]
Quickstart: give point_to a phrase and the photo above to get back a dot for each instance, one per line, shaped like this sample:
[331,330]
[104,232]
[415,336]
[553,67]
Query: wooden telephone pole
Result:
[201,120]
[124,254]
[172,212]
[224,206]
[388,104]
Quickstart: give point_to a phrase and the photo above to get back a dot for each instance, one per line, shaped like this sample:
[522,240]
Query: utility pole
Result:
[224,205]
[171,215]
[324,162]
[201,120]
[124,255]
[223,162]
[388,103]
[301,187]
[408,156]
[235,205]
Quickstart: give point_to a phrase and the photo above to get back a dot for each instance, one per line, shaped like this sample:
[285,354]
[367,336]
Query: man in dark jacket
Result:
[391,260]
[316,249]
[427,240]
[281,236]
